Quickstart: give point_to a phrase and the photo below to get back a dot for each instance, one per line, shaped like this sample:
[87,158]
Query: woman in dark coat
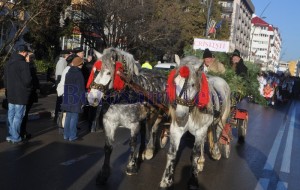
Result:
[73,99]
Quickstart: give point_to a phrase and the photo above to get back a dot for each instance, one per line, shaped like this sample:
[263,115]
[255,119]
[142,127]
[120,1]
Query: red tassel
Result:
[97,66]
[184,72]
[118,82]
[204,92]
[171,88]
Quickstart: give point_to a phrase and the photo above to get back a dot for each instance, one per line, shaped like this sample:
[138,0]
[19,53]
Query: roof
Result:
[259,22]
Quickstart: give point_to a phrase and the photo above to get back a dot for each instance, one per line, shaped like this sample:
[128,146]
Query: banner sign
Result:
[212,45]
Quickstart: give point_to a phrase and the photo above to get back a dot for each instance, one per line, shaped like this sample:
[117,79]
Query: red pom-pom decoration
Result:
[184,72]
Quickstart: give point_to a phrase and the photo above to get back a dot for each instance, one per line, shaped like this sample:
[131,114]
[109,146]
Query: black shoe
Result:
[27,136]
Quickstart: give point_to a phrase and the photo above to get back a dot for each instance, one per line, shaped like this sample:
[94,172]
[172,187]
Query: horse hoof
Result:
[101,179]
[216,156]
[164,184]
[148,154]
[193,184]
[132,171]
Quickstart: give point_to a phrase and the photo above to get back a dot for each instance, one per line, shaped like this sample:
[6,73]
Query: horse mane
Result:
[114,54]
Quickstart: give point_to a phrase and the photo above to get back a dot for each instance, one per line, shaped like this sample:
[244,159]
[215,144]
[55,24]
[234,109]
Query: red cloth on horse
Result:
[171,88]
[97,67]
[203,98]
[118,82]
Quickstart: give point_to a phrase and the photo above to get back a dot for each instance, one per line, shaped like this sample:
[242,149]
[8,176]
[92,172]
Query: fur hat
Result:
[77,50]
[236,53]
[77,61]
[207,54]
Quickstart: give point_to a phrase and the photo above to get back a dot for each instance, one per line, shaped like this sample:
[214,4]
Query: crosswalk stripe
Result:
[262,184]
[286,161]
[282,185]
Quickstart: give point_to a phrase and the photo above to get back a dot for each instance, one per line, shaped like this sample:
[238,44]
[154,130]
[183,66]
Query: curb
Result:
[31,116]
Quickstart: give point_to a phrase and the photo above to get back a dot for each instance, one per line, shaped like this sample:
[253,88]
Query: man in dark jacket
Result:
[238,63]
[18,83]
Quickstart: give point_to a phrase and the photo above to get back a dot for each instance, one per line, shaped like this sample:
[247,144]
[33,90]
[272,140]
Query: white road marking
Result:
[262,184]
[282,185]
[275,148]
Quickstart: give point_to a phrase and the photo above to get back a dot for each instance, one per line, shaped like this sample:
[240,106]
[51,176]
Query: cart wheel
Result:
[242,129]
[161,137]
[225,150]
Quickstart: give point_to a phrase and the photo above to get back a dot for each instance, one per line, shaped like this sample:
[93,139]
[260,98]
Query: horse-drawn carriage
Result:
[191,103]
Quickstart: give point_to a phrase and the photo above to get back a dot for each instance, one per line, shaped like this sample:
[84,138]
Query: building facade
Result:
[265,43]
[238,13]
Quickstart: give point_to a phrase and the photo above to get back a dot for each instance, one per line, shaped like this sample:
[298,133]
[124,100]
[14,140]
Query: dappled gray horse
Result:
[123,106]
[197,105]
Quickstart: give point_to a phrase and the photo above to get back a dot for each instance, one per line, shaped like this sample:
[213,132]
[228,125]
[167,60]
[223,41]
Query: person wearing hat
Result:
[18,84]
[73,99]
[60,66]
[238,63]
[210,63]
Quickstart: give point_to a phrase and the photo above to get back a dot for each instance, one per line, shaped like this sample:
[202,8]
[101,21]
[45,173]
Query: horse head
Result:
[112,63]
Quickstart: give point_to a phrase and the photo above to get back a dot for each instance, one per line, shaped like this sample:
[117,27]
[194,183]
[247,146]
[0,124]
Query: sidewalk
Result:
[44,108]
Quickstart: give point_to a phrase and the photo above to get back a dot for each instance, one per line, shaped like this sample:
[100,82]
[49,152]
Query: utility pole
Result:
[208,17]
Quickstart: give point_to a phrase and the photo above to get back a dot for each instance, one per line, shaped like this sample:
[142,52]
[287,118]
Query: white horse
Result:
[124,107]
[198,105]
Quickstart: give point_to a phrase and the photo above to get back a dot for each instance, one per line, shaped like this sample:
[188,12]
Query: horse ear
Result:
[98,54]
[177,59]
[136,70]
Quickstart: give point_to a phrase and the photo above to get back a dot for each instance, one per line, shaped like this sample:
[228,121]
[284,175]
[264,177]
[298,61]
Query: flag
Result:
[212,29]
[219,24]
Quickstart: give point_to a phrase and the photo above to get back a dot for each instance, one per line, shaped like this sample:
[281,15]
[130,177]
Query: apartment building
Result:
[238,13]
[265,43]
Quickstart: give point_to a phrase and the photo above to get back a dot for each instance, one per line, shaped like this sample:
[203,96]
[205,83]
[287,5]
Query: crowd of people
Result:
[276,88]
[72,75]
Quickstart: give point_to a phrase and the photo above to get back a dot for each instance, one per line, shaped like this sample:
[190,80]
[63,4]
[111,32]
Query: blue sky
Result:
[286,16]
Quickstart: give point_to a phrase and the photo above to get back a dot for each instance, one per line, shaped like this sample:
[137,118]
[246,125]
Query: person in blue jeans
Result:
[73,98]
[18,84]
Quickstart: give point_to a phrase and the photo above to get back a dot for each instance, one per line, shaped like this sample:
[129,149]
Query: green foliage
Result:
[42,66]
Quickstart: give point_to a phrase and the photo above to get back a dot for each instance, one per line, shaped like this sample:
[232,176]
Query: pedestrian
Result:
[18,82]
[238,63]
[60,66]
[73,99]
[147,65]
[33,95]
[211,64]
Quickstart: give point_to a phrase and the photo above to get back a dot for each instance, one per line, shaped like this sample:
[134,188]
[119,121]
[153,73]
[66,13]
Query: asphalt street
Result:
[268,160]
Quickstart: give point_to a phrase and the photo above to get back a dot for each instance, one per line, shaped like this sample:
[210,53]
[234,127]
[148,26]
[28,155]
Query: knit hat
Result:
[77,61]
[236,53]
[65,51]
[207,54]
[22,48]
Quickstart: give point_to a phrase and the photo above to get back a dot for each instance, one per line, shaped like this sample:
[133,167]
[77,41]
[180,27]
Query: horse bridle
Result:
[100,87]
[183,101]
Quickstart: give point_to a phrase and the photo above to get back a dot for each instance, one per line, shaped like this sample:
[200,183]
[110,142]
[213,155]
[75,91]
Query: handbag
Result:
[5,104]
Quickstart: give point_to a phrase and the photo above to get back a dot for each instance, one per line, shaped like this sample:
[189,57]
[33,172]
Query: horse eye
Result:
[108,73]
[193,85]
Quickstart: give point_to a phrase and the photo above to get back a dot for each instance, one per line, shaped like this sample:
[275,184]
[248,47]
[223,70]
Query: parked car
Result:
[165,66]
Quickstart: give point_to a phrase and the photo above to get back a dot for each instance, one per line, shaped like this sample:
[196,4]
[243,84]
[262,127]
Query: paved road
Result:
[268,160]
